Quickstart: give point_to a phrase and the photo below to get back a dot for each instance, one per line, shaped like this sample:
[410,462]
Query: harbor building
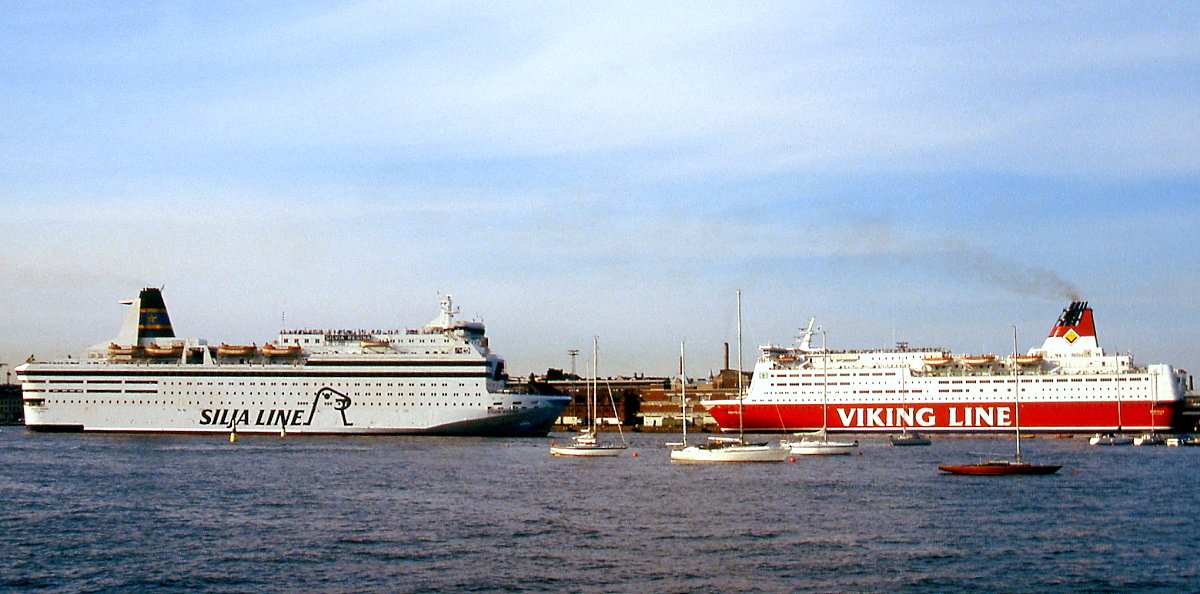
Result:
[12,411]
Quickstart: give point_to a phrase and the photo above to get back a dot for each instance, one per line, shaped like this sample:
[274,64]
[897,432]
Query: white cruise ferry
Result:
[440,379]
[1068,385]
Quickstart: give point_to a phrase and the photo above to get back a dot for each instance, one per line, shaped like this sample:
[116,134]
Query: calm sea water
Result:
[95,513]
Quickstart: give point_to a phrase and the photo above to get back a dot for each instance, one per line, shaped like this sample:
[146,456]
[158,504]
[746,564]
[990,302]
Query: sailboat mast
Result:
[904,397]
[1120,424]
[683,391]
[741,408]
[1016,394]
[824,383]
[595,380]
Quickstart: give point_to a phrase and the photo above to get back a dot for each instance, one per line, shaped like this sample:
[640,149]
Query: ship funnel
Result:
[1075,330]
[1075,318]
[145,321]
[153,321]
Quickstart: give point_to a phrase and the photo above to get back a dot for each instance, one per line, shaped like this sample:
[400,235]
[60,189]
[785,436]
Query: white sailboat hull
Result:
[1111,440]
[823,448]
[731,453]
[593,451]
[1149,439]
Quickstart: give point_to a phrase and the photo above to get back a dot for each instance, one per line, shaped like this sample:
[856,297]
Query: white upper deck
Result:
[146,336]
[444,335]
[1071,347]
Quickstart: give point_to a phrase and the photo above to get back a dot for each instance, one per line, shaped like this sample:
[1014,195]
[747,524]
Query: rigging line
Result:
[616,414]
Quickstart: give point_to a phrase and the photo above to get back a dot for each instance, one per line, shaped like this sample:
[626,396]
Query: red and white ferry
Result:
[1068,385]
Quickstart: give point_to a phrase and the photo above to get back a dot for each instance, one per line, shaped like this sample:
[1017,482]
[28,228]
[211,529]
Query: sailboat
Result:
[1113,439]
[818,444]
[725,449]
[1150,439]
[585,444]
[1110,439]
[1016,465]
[906,437]
[683,410]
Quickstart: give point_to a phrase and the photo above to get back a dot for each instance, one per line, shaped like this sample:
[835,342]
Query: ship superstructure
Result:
[1069,384]
[442,378]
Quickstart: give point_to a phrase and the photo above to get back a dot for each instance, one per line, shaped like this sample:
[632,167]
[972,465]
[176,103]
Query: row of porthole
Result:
[174,403]
[792,397]
[355,395]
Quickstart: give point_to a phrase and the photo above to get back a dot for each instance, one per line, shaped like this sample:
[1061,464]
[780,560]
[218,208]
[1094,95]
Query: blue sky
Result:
[935,173]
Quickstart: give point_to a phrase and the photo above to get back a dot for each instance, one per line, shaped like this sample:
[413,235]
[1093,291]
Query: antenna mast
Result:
[573,353]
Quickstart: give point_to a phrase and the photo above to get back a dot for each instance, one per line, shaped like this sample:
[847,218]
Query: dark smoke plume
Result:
[1024,279]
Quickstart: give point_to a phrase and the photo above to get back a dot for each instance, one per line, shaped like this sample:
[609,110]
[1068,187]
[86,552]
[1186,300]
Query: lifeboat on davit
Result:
[979,360]
[1029,359]
[236,350]
[272,350]
[938,361]
[114,349]
[153,350]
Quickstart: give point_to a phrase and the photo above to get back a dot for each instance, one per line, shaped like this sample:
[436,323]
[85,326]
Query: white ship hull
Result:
[174,398]
[442,380]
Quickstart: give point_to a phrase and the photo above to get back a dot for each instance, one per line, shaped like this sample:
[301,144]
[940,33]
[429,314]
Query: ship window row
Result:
[1040,392]
[357,384]
[817,393]
[250,392]
[818,373]
[831,383]
[303,394]
[994,389]
[41,402]
[1004,380]
[834,398]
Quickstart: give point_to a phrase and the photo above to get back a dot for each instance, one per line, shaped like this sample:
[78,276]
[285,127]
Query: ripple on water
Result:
[187,514]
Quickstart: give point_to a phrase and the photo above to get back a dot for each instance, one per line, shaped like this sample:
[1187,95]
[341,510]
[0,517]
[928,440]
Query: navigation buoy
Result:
[233,435]
[792,459]
[283,432]
[635,454]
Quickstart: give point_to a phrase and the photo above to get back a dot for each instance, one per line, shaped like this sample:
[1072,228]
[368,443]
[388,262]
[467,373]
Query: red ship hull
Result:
[956,417]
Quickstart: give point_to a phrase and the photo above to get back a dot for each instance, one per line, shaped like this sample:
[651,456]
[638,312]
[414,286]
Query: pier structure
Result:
[12,411]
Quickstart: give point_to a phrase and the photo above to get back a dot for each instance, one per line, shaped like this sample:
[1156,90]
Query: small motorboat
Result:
[910,438]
